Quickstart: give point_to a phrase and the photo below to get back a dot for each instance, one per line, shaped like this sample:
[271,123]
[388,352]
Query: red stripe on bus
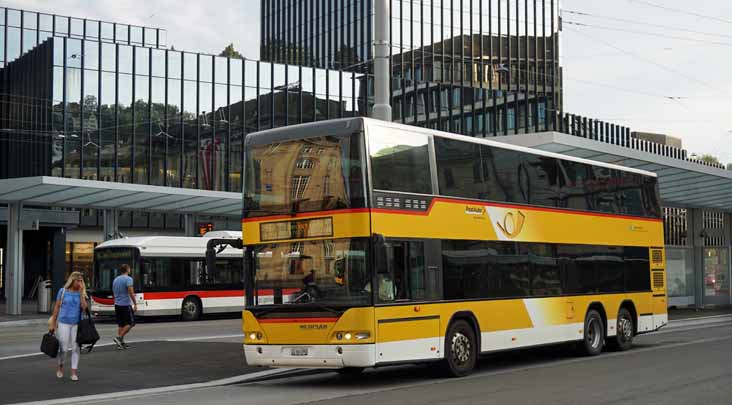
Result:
[201,294]
[511,206]
[307,214]
[298,320]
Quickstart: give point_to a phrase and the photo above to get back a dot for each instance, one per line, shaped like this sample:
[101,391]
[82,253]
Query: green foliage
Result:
[230,52]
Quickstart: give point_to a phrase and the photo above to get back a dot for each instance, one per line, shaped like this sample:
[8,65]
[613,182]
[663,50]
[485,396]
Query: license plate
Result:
[299,351]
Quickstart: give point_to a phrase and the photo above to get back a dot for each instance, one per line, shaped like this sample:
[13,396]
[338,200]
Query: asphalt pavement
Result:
[686,364]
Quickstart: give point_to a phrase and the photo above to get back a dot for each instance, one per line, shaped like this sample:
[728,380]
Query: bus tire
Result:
[623,340]
[191,309]
[593,334]
[461,350]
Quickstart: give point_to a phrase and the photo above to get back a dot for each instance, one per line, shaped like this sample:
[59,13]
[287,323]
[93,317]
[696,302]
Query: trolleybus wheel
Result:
[594,334]
[191,309]
[623,340]
[461,351]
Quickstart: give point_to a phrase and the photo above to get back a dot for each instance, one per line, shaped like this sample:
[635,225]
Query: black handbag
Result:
[86,333]
[50,345]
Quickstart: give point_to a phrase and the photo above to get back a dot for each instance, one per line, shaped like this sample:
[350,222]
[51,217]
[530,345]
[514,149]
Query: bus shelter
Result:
[697,209]
[58,192]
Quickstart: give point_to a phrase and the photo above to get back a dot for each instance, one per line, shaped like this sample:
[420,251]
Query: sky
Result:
[655,69]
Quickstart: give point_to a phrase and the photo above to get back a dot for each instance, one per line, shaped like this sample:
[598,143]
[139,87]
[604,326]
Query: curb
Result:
[23,322]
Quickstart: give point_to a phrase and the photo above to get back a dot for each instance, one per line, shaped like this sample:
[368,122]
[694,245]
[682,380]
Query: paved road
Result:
[689,364]
[162,353]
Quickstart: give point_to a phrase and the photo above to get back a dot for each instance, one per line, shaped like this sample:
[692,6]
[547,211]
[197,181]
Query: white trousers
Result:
[66,335]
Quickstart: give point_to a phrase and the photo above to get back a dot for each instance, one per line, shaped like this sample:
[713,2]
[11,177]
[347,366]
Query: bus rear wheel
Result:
[623,340]
[191,309]
[461,351]
[594,334]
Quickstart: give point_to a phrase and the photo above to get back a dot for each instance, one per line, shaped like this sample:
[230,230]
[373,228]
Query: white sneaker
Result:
[59,374]
[74,377]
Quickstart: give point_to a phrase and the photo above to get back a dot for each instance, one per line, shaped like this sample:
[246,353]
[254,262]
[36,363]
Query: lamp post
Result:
[382,76]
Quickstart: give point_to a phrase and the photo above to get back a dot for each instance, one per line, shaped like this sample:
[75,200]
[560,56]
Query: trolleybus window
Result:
[400,163]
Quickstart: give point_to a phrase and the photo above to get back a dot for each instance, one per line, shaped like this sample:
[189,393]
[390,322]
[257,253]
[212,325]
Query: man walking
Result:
[125,305]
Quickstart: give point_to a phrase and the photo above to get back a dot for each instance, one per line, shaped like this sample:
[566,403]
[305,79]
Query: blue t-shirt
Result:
[119,288]
[70,311]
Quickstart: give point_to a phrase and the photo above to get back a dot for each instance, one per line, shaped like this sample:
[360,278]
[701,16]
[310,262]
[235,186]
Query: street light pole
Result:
[382,76]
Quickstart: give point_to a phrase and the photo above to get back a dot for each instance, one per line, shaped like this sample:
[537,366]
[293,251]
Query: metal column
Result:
[382,73]
[15,271]
[111,225]
[189,225]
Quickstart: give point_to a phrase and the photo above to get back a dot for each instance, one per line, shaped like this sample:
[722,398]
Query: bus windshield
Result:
[332,272]
[107,264]
[304,175]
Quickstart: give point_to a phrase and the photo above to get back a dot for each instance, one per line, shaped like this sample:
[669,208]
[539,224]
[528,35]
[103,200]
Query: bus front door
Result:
[406,329]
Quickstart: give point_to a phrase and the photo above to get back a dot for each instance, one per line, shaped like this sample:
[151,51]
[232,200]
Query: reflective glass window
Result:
[190,66]
[150,37]
[125,128]
[158,62]
[206,68]
[74,54]
[30,20]
[142,61]
[221,65]
[236,67]
[92,29]
[107,31]
[265,77]
[13,50]
[62,25]
[142,128]
[91,55]
[77,28]
[13,18]
[109,57]
[29,40]
[125,59]
[637,269]
[174,64]
[136,35]
[122,33]
[406,155]
[46,22]
[107,124]
[250,72]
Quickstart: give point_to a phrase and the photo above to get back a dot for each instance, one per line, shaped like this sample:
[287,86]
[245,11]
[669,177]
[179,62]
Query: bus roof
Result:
[174,246]
[344,126]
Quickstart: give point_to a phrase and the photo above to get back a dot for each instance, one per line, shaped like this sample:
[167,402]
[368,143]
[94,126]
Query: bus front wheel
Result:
[461,351]
[191,309]
[594,334]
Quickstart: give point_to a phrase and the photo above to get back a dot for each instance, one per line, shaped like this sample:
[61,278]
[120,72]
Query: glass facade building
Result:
[135,114]
[22,30]
[475,67]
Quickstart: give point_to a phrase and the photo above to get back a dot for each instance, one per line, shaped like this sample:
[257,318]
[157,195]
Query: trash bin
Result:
[44,297]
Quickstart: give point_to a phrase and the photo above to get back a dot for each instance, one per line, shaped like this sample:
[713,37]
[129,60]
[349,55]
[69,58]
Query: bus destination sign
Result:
[300,229]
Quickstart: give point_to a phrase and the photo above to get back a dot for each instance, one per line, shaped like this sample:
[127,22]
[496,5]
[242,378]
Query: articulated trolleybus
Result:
[370,243]
[170,275]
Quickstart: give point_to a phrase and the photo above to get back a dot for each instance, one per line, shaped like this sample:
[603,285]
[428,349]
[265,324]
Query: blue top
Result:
[70,311]
[119,288]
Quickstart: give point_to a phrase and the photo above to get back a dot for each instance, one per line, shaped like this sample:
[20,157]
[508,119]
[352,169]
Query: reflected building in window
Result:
[475,67]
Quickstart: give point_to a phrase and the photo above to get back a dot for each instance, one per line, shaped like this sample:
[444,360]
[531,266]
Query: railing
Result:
[621,136]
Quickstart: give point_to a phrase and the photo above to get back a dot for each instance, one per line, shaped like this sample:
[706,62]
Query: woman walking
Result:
[70,302]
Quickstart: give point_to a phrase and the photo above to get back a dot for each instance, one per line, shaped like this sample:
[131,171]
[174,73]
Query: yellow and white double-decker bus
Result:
[371,243]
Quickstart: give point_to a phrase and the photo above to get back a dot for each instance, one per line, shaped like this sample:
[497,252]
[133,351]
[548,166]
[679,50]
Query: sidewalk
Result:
[691,313]
[30,315]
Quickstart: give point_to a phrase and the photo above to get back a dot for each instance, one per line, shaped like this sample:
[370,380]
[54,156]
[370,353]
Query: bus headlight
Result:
[350,336]
[255,336]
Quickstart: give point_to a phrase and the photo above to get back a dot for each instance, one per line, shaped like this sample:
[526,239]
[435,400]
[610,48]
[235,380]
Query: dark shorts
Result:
[124,315]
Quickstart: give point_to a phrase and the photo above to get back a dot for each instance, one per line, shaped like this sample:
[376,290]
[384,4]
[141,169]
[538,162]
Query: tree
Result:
[230,52]
[709,159]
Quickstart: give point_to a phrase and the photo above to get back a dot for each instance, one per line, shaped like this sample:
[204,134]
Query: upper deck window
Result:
[400,163]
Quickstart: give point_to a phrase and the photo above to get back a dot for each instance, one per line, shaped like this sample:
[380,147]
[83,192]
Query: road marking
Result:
[163,390]
[186,339]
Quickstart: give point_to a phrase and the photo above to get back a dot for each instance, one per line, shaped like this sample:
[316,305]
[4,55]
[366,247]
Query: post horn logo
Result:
[512,224]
